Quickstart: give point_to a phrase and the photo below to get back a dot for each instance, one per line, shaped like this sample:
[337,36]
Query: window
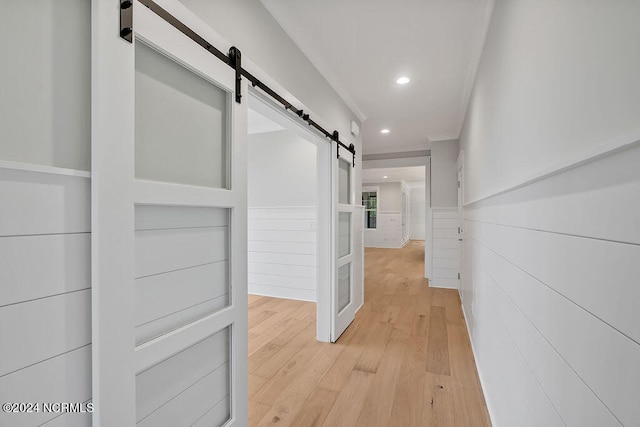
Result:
[370,203]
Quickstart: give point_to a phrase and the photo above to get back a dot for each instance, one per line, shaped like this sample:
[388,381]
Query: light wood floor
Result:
[405,360]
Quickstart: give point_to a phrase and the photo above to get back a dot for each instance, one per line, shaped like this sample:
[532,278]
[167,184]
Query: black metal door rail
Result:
[233,59]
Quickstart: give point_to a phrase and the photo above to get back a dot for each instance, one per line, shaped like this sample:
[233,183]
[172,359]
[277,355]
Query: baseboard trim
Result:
[384,247]
[265,294]
[435,286]
[492,417]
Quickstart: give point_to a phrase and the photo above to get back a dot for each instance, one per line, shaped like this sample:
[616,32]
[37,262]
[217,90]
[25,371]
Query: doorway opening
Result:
[289,211]
[282,217]
[395,205]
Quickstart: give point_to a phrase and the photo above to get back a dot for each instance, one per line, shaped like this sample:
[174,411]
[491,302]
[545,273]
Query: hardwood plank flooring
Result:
[438,349]
[316,408]
[405,361]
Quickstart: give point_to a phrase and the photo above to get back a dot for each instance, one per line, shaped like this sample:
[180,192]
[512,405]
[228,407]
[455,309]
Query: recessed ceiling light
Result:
[385,176]
[403,80]
[384,131]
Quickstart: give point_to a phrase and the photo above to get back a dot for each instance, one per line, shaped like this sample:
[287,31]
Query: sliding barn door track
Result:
[233,59]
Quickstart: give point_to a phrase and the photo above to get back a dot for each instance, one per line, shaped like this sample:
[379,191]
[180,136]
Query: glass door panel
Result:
[181,123]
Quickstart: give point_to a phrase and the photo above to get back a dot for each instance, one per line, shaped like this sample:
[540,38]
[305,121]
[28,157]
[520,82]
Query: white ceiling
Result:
[362,46]
[410,175]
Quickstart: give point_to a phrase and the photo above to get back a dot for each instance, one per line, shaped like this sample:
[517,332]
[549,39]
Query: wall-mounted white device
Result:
[355,129]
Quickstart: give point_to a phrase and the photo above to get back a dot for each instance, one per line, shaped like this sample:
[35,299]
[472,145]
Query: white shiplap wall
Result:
[387,234]
[445,250]
[45,290]
[283,252]
[550,292]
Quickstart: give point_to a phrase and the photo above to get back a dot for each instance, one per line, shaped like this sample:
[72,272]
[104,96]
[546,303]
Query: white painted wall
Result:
[417,212]
[389,196]
[388,233]
[444,176]
[45,113]
[550,272]
[282,170]
[528,89]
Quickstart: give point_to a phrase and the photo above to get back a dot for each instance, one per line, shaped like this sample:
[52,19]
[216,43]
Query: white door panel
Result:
[188,316]
[344,286]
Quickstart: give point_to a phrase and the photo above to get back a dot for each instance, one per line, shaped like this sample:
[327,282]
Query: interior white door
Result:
[344,286]
[189,309]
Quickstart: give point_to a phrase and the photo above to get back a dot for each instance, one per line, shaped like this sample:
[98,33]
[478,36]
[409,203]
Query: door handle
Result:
[459,240]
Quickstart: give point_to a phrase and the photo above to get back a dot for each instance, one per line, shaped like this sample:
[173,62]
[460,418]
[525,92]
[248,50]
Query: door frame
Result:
[324,206]
[405,212]
[461,227]
[112,140]
[428,222]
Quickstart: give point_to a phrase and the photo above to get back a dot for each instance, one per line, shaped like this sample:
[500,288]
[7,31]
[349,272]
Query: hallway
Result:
[405,360]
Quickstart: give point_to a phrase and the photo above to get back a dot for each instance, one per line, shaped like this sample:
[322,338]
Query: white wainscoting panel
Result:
[64,378]
[445,256]
[282,252]
[45,289]
[39,329]
[551,278]
[71,419]
[388,233]
[63,265]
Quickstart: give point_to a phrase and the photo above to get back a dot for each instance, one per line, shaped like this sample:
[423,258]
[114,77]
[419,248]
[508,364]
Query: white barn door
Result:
[344,295]
[179,198]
